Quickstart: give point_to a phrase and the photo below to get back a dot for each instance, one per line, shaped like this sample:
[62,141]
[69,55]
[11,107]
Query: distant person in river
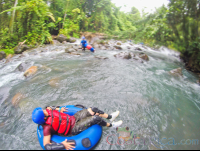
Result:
[83,42]
[69,125]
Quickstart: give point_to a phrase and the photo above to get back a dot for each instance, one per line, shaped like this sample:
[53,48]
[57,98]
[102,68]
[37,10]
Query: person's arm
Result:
[57,146]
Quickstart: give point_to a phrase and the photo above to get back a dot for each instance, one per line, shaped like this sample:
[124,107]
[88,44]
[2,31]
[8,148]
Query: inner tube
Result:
[89,47]
[84,141]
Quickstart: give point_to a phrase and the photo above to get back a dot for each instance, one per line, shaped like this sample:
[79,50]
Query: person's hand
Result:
[68,145]
[63,109]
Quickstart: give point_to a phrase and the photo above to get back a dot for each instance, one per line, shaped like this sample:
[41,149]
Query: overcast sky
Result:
[140,4]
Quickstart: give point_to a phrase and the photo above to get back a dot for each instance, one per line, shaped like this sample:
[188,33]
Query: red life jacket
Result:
[59,121]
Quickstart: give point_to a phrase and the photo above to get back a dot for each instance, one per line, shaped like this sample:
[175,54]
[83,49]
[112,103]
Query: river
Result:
[162,110]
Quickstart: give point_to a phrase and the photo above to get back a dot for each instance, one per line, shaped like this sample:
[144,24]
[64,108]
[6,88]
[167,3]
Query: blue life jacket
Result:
[83,42]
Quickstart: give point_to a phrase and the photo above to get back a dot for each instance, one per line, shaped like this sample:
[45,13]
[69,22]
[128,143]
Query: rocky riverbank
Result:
[127,50]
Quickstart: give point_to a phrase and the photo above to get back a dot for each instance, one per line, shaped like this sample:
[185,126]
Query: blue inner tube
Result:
[84,141]
[92,49]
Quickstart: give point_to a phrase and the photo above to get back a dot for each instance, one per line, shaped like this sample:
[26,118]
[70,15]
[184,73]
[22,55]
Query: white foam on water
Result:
[4,80]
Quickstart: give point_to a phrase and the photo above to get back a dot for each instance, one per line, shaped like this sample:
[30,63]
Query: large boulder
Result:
[61,38]
[21,48]
[176,72]
[31,71]
[72,40]
[144,56]
[2,55]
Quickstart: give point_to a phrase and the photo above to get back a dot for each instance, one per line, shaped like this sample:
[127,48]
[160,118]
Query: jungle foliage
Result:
[175,26]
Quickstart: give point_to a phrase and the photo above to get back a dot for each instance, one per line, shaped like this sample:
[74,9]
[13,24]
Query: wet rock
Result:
[31,71]
[16,99]
[101,57]
[2,55]
[72,40]
[55,42]
[144,56]
[118,47]
[61,38]
[64,42]
[119,43]
[21,48]
[54,82]
[139,49]
[128,47]
[23,66]
[69,50]
[127,56]
[176,72]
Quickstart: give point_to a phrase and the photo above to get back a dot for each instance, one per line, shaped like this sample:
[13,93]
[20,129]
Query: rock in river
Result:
[176,72]
[31,71]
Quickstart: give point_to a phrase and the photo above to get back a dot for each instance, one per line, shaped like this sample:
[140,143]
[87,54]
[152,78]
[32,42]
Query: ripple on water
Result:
[152,103]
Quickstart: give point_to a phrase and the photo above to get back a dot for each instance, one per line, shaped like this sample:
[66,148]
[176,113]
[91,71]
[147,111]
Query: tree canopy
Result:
[175,26]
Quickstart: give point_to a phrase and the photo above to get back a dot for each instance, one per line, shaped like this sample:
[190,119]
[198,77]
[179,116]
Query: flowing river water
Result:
[161,110]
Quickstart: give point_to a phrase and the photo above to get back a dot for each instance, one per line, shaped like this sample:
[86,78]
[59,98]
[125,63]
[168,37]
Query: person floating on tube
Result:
[85,45]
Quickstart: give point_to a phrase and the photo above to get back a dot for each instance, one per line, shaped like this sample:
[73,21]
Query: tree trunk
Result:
[13,17]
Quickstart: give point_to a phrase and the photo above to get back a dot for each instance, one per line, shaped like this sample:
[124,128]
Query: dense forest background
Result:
[175,26]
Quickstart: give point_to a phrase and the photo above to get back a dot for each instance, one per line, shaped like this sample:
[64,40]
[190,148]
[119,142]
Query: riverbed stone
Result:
[144,56]
[69,50]
[54,82]
[75,53]
[176,72]
[127,56]
[21,48]
[2,55]
[31,71]
[55,42]
[119,43]
[139,49]
[61,38]
[118,47]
